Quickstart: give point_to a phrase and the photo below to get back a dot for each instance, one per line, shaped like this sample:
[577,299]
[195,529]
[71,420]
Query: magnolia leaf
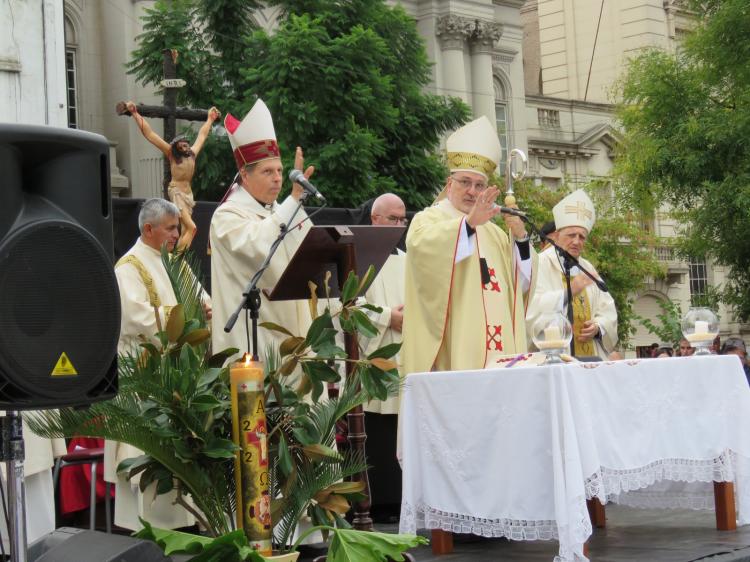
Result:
[207,377]
[336,503]
[386,352]
[347,487]
[364,324]
[383,364]
[372,384]
[219,448]
[218,359]
[322,495]
[175,323]
[290,344]
[320,452]
[327,283]
[317,327]
[275,328]
[305,385]
[195,337]
[366,281]
[317,390]
[288,366]
[320,371]
[313,302]
[349,545]
[151,348]
[349,290]
[205,402]
[372,307]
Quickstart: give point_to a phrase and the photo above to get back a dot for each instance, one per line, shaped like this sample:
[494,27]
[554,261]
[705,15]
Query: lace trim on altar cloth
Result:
[425,517]
[628,487]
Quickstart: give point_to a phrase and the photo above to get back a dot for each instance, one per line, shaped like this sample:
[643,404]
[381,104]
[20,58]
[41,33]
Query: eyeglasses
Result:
[466,184]
[393,219]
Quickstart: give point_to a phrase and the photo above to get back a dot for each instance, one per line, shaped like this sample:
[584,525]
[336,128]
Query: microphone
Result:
[509,211]
[298,177]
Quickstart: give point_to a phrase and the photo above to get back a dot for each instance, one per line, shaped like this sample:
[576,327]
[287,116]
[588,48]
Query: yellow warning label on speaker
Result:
[63,367]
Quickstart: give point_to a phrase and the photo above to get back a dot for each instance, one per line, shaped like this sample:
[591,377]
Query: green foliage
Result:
[173,404]
[226,548]
[686,121]
[344,80]
[620,249]
[668,329]
[306,477]
[346,546]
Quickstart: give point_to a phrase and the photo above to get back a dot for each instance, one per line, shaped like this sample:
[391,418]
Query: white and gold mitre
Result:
[253,139]
[575,209]
[474,148]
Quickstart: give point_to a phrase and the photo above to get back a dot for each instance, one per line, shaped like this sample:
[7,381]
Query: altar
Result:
[516,452]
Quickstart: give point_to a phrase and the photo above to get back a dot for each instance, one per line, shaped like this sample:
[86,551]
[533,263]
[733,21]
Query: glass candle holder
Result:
[700,326]
[551,336]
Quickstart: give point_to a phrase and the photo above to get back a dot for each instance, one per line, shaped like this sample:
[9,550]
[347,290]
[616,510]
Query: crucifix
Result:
[179,156]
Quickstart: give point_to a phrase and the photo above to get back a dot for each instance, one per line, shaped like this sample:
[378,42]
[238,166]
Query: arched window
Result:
[71,72]
[502,120]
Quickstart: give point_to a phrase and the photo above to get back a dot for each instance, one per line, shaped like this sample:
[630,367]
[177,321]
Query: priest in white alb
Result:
[381,416]
[243,229]
[467,282]
[146,300]
[593,310]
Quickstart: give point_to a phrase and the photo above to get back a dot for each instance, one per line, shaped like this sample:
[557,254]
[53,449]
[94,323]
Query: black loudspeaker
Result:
[76,545]
[59,302]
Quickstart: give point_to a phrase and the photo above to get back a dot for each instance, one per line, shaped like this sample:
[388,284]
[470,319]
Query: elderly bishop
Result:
[593,310]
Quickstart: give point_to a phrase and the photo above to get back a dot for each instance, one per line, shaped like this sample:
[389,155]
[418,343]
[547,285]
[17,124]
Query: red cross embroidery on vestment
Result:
[493,285]
[494,338]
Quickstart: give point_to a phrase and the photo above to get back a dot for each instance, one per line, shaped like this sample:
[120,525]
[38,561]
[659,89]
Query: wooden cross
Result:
[580,210]
[169,112]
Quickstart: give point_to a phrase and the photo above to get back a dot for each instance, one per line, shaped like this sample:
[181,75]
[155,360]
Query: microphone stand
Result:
[251,300]
[569,261]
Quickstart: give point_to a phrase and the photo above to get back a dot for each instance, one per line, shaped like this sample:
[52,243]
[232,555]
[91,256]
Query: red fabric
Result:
[231,123]
[255,152]
[75,481]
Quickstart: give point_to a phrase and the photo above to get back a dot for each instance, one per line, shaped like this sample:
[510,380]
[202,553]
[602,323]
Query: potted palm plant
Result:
[174,405]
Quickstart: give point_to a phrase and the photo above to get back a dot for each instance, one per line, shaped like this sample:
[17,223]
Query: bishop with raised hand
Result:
[466,284]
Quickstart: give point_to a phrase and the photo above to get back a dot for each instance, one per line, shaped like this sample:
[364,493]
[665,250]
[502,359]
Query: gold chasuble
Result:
[452,320]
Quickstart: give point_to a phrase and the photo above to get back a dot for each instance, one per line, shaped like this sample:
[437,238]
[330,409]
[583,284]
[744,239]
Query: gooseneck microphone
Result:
[298,177]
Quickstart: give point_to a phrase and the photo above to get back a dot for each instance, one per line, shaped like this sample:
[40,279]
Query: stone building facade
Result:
[543,70]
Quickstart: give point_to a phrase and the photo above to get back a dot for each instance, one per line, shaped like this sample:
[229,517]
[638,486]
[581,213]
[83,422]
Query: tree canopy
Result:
[343,79]
[686,122]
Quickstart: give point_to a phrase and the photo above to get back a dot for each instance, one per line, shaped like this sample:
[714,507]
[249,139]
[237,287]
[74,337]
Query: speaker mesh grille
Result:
[58,293]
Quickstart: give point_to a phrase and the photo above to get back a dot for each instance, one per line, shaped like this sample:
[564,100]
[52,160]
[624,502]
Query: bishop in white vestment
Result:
[243,229]
[594,313]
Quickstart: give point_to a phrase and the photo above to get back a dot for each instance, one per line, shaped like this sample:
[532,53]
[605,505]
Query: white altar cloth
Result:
[516,452]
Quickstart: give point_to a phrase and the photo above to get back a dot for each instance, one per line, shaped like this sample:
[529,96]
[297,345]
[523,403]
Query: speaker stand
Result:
[12,454]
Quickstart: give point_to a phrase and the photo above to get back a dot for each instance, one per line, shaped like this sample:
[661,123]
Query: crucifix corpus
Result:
[179,156]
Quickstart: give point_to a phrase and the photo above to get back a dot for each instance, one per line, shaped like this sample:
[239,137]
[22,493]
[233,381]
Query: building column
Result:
[453,32]
[483,40]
